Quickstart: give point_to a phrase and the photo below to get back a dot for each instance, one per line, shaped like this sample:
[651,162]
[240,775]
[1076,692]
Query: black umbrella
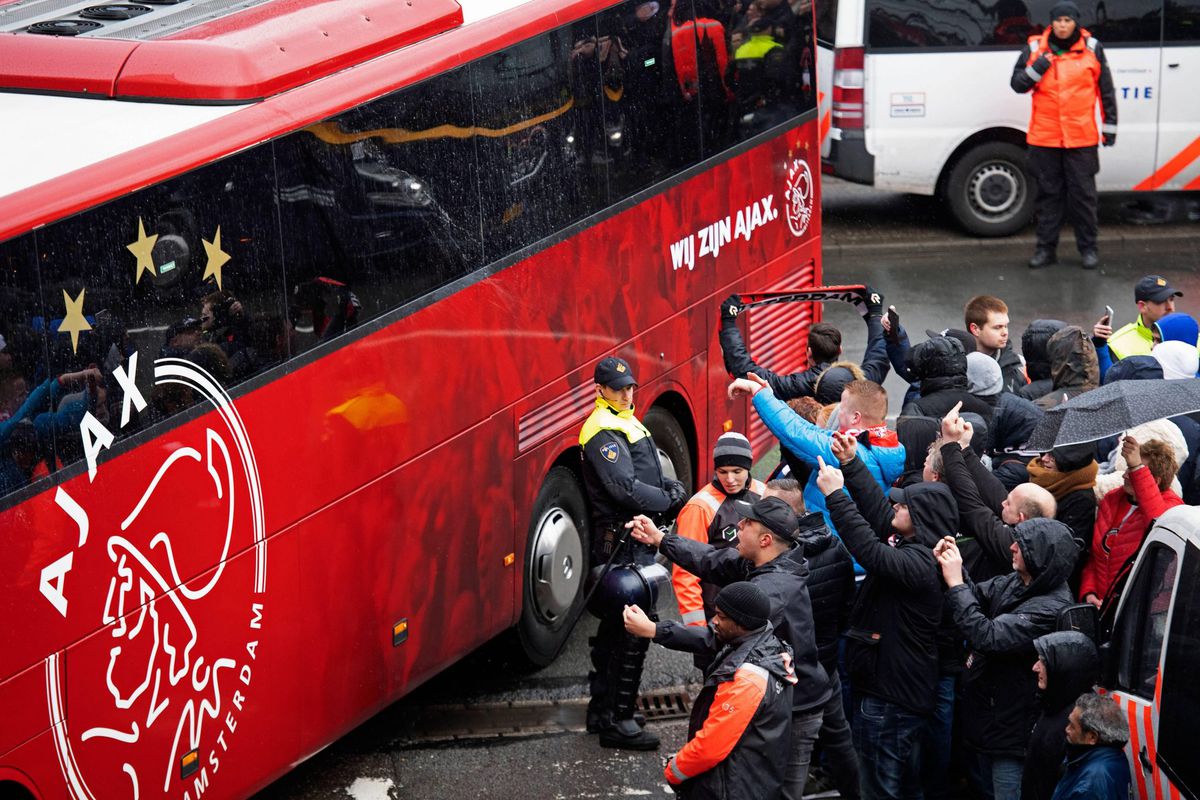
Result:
[1114,408]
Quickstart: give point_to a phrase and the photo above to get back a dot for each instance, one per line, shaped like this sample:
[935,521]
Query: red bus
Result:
[300,302]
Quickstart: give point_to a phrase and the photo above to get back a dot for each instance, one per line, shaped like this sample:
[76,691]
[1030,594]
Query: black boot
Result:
[1090,259]
[1042,257]
[626,735]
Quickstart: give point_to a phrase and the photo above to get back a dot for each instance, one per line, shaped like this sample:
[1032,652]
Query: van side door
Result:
[1178,162]
[1138,636]
[1131,33]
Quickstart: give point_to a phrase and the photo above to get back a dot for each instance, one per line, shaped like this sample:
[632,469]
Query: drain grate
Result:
[665,704]
[467,722]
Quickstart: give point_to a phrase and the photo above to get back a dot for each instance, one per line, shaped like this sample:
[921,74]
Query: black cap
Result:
[745,604]
[899,494]
[614,373]
[772,512]
[1155,289]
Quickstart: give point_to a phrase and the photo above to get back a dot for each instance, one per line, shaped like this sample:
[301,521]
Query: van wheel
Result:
[672,444]
[990,191]
[556,556]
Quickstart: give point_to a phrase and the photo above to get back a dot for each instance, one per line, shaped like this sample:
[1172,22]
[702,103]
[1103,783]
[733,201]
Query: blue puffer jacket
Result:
[879,448]
[1094,773]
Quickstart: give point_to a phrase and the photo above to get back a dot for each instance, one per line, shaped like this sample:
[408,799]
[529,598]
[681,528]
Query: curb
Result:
[1112,241]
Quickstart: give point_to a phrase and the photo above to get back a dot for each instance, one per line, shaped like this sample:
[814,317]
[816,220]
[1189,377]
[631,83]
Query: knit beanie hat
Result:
[1178,359]
[984,377]
[1064,8]
[1071,457]
[745,604]
[732,450]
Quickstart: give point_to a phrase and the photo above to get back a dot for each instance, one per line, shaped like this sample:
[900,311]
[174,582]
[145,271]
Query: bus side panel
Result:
[187,695]
[424,545]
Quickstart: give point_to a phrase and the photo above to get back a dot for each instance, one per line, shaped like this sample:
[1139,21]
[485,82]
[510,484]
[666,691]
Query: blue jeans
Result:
[996,777]
[884,734]
[929,764]
[805,726]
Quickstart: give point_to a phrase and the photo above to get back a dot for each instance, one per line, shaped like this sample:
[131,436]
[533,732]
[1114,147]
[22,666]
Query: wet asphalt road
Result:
[907,248]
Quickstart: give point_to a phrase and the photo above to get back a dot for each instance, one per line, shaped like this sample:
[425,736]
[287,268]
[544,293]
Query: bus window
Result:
[188,268]
[1139,638]
[24,380]
[773,75]
[651,129]
[378,206]
[1179,710]
[1182,21]
[540,137]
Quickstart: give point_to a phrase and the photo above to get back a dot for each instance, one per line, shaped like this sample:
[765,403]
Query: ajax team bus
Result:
[299,304]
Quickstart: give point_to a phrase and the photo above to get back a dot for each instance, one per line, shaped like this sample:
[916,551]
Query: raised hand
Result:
[844,446]
[829,478]
[748,386]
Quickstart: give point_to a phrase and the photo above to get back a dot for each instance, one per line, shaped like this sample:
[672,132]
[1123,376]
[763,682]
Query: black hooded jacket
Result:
[985,536]
[894,623]
[830,585]
[1000,619]
[1037,362]
[1072,668]
[940,364]
[784,580]
[1074,366]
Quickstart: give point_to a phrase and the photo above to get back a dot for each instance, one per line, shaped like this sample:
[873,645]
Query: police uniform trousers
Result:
[617,656]
[1066,188]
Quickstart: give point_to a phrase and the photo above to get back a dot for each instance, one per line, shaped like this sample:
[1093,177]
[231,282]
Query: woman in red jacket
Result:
[1126,513]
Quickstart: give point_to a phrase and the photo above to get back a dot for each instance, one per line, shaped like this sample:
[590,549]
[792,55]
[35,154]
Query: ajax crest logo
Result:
[799,197]
[170,574]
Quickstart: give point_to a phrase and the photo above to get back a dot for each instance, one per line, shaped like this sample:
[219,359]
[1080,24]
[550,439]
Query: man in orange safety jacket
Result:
[740,726]
[711,517]
[1067,72]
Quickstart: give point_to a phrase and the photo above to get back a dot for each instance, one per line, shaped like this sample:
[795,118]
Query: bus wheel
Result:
[672,446]
[989,190]
[555,568]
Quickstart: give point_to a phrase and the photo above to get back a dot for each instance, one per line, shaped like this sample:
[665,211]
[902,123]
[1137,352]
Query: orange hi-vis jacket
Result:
[1065,97]
[704,520]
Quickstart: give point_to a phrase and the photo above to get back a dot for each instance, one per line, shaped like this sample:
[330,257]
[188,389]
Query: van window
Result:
[1143,625]
[1183,21]
[905,24]
[1179,712]
[827,22]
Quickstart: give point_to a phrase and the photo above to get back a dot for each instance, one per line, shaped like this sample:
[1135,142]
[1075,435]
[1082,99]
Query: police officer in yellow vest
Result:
[624,477]
[1155,299]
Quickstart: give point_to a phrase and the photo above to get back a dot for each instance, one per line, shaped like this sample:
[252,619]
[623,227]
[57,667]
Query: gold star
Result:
[216,258]
[74,322]
[143,248]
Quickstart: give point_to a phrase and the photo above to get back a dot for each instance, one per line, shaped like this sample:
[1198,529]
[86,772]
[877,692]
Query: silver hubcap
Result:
[995,190]
[555,566]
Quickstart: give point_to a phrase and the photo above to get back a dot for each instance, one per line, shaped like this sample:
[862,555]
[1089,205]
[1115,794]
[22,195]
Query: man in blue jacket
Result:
[862,414]
[1096,765]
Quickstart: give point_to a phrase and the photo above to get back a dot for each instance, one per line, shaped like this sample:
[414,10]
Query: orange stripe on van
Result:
[826,118]
[1158,689]
[1135,745]
[1193,185]
[1149,729]
[1174,792]
[1172,168]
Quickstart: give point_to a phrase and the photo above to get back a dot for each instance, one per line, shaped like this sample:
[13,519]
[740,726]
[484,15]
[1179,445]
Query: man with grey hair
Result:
[1096,767]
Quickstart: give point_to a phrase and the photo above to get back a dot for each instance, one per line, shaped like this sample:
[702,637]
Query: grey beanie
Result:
[733,450]
[984,377]
[1064,8]
[745,604]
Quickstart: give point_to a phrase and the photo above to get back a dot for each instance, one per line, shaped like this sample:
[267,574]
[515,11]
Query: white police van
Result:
[919,98]
[1153,657]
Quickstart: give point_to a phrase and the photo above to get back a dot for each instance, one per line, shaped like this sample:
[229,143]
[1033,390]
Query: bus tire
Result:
[556,564]
[990,191]
[672,444]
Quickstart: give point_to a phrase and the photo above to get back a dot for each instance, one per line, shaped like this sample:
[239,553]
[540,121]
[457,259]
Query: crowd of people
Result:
[909,591]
